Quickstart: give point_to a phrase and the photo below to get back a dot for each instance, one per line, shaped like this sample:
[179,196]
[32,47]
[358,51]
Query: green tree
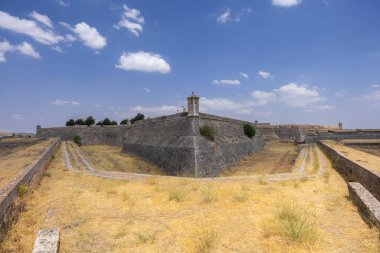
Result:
[113,122]
[77,140]
[124,122]
[70,122]
[100,123]
[79,122]
[249,130]
[107,122]
[89,121]
[139,116]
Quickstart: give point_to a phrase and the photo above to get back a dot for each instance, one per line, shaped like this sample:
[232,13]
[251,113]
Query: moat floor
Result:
[162,214]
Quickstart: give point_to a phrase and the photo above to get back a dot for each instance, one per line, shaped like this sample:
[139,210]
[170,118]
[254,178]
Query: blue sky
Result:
[278,61]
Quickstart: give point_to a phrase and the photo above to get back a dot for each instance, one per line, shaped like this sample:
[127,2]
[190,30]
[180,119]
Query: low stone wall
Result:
[337,136]
[31,175]
[353,171]
[176,146]
[93,135]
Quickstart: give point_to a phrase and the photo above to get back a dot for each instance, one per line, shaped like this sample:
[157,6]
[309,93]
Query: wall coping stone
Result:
[47,241]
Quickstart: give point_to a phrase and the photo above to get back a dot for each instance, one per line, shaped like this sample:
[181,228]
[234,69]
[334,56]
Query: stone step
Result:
[47,241]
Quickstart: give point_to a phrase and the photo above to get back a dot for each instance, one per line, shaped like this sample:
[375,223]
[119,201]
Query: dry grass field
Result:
[363,158]
[110,158]
[162,214]
[276,157]
[13,164]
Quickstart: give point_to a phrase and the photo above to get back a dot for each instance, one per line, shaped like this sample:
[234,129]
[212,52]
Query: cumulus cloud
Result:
[320,108]
[89,36]
[41,18]
[262,97]
[375,86]
[29,28]
[226,82]
[374,96]
[131,20]
[224,17]
[245,75]
[160,110]
[64,102]
[143,61]
[17,116]
[298,95]
[147,89]
[264,74]
[23,48]
[227,16]
[286,3]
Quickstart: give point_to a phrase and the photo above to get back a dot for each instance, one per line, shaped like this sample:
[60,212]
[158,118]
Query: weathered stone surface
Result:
[47,241]
[30,175]
[353,171]
[93,135]
[174,143]
[343,135]
[368,205]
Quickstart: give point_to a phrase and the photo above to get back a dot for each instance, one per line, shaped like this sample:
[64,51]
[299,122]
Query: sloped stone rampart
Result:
[176,146]
[93,135]
[352,171]
[31,175]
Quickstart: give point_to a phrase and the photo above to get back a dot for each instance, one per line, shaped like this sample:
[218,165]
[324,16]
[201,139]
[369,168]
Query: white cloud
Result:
[29,28]
[375,86]
[131,20]
[143,61]
[298,95]
[23,48]
[41,18]
[63,3]
[219,104]
[264,74]
[374,96]
[97,106]
[160,110]
[64,102]
[320,108]
[89,36]
[245,75]
[17,116]
[224,17]
[226,82]
[147,89]
[286,3]
[262,97]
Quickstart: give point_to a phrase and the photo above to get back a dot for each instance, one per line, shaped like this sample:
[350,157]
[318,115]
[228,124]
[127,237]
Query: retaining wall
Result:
[92,135]
[175,145]
[31,174]
[353,171]
[337,136]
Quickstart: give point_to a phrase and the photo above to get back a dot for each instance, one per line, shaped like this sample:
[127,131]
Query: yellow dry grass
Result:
[14,163]
[363,158]
[100,215]
[276,157]
[110,158]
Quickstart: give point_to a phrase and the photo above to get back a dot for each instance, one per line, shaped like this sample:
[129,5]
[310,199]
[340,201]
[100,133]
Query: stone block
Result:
[47,241]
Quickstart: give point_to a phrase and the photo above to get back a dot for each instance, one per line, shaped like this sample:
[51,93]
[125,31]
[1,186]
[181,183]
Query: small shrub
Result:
[208,240]
[22,189]
[296,224]
[142,238]
[70,122]
[77,140]
[208,132]
[177,194]
[47,174]
[208,195]
[89,121]
[241,197]
[249,130]
[122,231]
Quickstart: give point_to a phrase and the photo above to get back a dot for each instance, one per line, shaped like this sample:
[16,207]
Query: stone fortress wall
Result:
[92,135]
[175,145]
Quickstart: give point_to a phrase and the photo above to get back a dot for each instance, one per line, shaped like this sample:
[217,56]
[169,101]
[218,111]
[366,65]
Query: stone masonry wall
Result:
[93,135]
[353,172]
[32,174]
[342,136]
[176,146]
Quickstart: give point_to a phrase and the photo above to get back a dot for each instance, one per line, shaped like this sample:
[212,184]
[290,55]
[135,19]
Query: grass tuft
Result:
[208,194]
[297,224]
[177,194]
[22,189]
[207,240]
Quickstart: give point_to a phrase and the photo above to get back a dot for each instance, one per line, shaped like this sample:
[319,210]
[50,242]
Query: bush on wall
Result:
[208,132]
[249,130]
[77,140]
